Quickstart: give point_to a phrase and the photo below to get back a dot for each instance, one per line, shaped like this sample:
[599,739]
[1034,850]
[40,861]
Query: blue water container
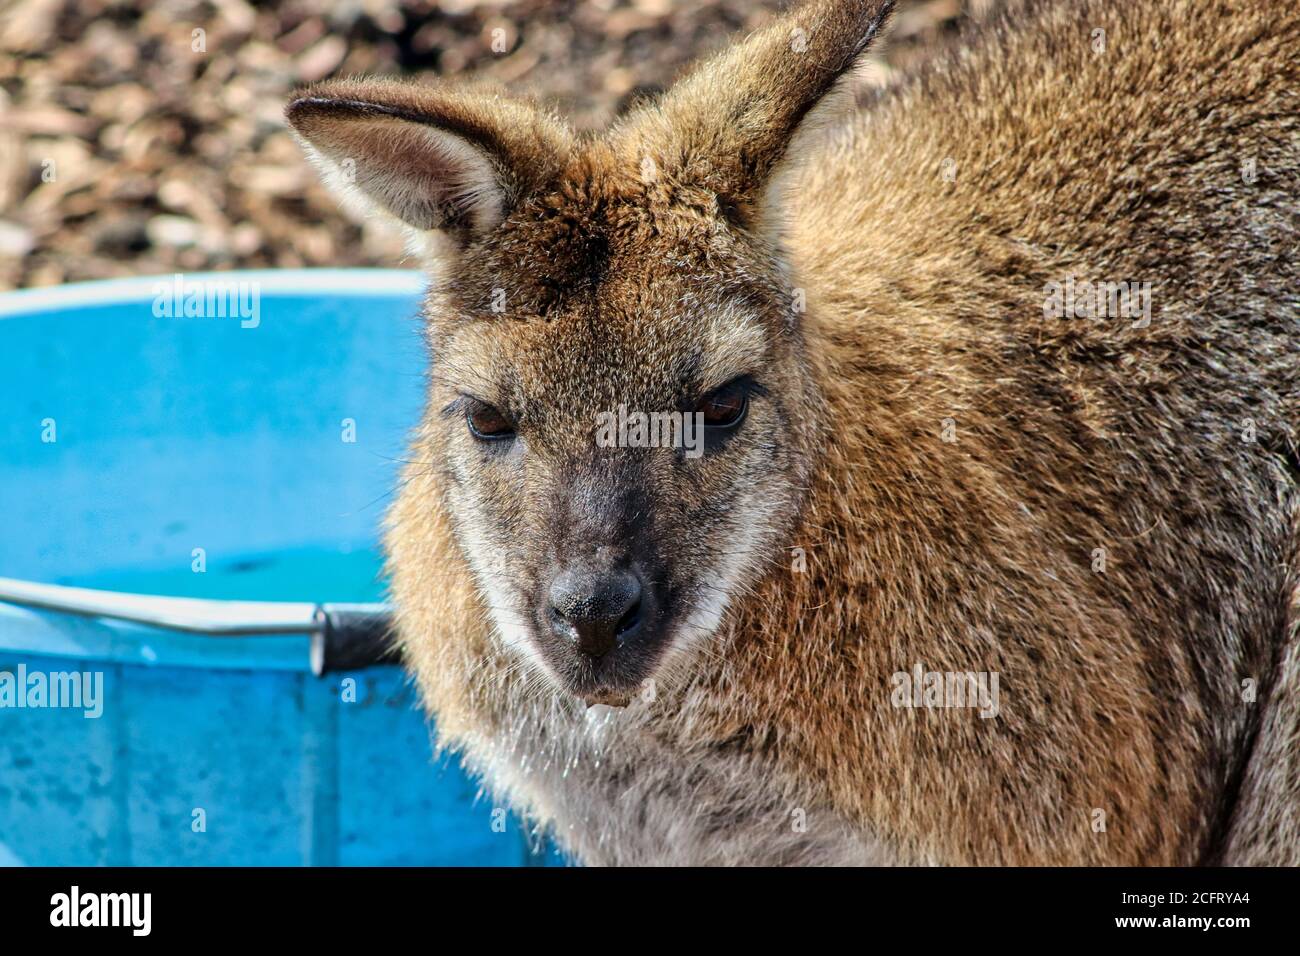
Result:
[226,437]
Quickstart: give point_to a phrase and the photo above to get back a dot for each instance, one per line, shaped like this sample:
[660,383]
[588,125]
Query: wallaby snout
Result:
[595,609]
[605,629]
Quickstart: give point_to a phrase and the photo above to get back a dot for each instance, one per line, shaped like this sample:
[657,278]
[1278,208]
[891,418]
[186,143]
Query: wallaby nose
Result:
[595,609]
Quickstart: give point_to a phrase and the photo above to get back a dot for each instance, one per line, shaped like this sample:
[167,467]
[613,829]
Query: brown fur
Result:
[1122,689]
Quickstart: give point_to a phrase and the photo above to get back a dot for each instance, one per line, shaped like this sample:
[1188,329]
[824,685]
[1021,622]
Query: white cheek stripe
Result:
[507,617]
[713,602]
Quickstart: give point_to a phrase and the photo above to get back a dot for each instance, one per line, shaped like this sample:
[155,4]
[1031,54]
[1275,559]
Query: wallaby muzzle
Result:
[601,627]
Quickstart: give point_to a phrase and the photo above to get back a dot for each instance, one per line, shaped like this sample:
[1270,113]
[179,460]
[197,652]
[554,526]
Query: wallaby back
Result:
[1113,526]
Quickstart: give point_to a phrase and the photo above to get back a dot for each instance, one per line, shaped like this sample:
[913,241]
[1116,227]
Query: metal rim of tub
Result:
[344,637]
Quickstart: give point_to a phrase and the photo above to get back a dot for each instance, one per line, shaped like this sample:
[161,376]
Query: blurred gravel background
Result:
[130,144]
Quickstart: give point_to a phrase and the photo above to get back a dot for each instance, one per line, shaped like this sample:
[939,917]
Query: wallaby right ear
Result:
[729,125]
[436,158]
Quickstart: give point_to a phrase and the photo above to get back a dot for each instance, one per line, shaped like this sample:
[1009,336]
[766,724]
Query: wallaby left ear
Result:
[436,158]
[729,123]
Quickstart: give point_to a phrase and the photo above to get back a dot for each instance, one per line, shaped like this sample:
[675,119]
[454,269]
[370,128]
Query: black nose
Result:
[595,609]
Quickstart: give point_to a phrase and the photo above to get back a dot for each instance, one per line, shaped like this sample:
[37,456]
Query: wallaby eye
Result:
[725,407]
[488,424]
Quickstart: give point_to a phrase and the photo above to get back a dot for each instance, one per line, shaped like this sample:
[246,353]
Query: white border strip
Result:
[277,282]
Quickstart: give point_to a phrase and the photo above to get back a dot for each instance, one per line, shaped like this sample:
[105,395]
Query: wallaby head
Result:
[620,405]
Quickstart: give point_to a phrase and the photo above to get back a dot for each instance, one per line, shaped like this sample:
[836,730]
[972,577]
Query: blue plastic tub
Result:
[240,456]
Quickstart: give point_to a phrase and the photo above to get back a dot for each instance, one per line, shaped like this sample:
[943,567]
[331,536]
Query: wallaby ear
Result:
[436,158]
[729,123]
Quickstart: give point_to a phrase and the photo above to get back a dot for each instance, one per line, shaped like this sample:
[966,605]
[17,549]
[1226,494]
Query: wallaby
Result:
[988,549]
